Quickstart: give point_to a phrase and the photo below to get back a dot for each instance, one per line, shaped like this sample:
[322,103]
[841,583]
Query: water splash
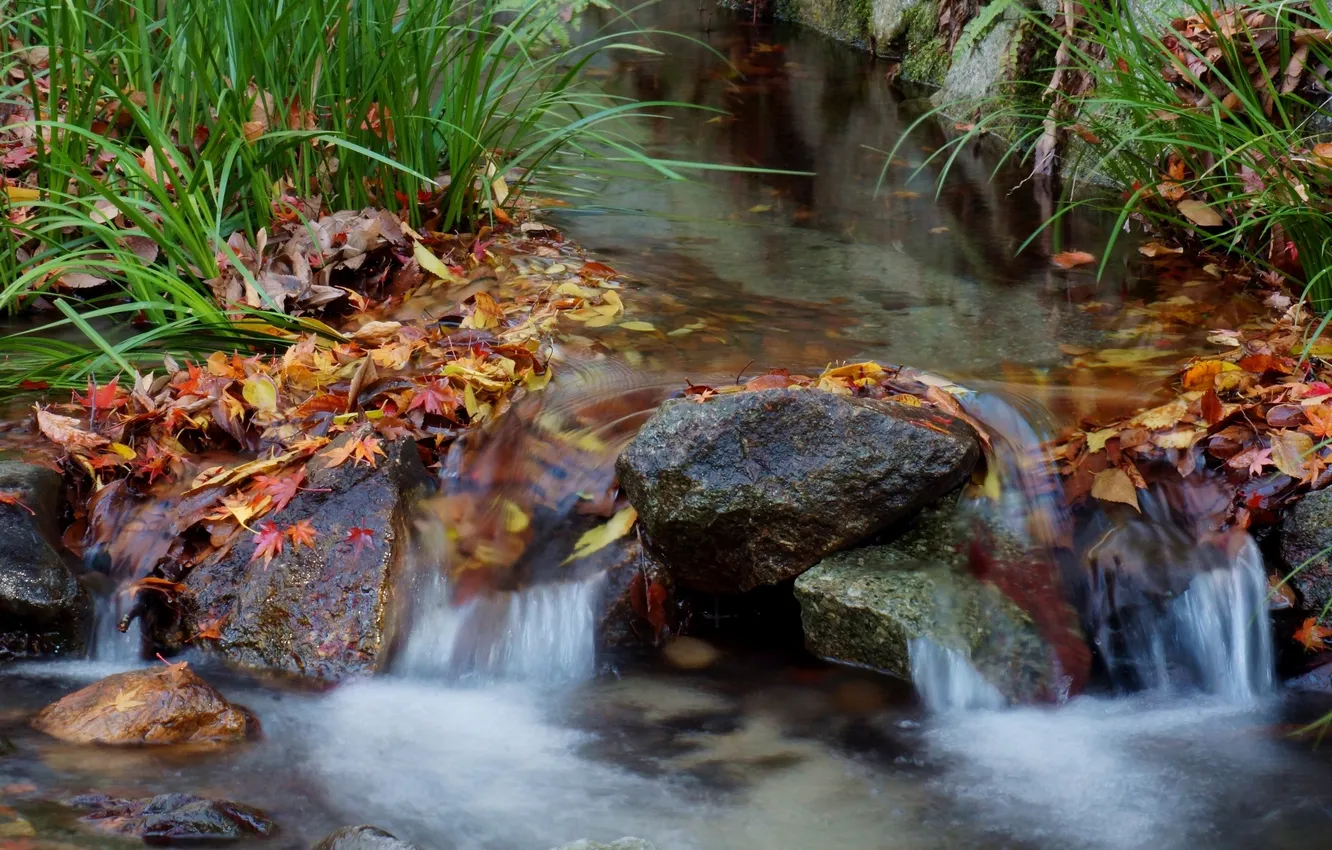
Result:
[110,645]
[946,679]
[543,633]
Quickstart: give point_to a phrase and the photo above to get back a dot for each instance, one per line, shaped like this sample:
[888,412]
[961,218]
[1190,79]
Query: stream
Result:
[500,728]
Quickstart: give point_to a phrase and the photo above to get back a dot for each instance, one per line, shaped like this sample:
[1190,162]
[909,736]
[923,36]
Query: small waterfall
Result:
[946,679]
[1215,636]
[109,644]
[542,633]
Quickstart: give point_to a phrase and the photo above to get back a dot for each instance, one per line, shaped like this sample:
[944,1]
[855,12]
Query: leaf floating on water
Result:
[1096,440]
[598,538]
[1200,214]
[638,326]
[1202,376]
[1071,259]
[1114,485]
[1156,249]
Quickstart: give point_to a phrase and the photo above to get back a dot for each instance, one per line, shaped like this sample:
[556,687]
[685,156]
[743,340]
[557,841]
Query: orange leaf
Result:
[1069,259]
[268,542]
[301,534]
[1311,634]
[363,450]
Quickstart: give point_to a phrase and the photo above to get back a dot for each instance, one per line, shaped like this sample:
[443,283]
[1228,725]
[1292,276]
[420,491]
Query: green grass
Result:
[188,120]
[1236,145]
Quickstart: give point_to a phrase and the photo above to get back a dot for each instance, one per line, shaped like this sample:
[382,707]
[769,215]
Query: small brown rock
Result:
[687,653]
[167,704]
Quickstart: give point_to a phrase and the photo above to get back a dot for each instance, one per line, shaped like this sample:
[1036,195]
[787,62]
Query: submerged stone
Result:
[753,488]
[43,607]
[363,837]
[323,612]
[167,704]
[866,606]
[176,818]
[618,844]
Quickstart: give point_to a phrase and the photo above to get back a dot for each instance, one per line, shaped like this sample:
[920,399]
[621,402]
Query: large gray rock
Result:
[324,612]
[362,838]
[866,606]
[753,488]
[1304,542]
[43,608]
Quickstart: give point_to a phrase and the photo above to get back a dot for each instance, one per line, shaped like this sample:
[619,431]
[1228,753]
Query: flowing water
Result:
[500,727]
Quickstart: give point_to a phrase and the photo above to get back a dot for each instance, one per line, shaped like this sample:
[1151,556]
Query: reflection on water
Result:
[763,752]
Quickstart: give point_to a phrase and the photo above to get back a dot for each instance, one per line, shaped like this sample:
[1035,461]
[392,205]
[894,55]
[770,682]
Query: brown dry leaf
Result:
[1200,214]
[1165,416]
[66,431]
[1114,485]
[1071,259]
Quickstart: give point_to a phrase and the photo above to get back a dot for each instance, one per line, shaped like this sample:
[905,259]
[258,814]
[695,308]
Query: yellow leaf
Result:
[637,326]
[760,208]
[1165,416]
[516,519]
[22,193]
[533,381]
[124,451]
[1114,485]
[1201,376]
[610,305]
[1096,440]
[1290,453]
[680,332]
[574,290]
[430,262]
[603,535]
[599,321]
[1199,213]
[1180,438]
[261,393]
[557,268]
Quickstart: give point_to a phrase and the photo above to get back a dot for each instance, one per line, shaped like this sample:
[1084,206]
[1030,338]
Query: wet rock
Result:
[324,612]
[752,489]
[7,747]
[167,704]
[176,818]
[618,844]
[1318,679]
[1306,532]
[637,603]
[865,606]
[43,608]
[362,837]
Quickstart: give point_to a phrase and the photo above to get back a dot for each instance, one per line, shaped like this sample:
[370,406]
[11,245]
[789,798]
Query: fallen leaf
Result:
[1199,213]
[1156,249]
[268,543]
[1070,259]
[359,538]
[66,432]
[300,534]
[1311,634]
[1114,485]
[603,535]
[430,262]
[363,450]
[637,326]
[1291,453]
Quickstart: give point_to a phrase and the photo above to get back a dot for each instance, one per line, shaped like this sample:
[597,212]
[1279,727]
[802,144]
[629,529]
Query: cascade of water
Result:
[543,633]
[946,679]
[109,644]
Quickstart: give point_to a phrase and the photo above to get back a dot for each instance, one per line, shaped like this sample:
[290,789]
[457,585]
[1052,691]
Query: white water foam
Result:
[542,633]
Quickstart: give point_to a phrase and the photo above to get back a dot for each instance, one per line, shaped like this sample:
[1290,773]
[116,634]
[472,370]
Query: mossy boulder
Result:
[866,606]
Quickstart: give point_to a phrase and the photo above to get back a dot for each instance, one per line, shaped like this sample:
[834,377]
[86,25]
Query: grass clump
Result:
[1208,122]
[140,137]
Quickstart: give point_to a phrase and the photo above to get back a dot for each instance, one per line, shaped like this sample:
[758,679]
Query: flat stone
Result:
[165,704]
[176,818]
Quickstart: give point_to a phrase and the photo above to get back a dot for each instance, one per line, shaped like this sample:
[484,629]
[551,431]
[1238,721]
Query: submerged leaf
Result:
[1114,485]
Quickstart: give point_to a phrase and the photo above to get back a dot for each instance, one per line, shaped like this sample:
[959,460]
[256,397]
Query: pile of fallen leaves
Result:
[202,455]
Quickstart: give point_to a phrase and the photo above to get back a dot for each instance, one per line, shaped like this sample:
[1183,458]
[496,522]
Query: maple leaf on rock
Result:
[301,534]
[361,450]
[268,543]
[10,497]
[280,488]
[359,538]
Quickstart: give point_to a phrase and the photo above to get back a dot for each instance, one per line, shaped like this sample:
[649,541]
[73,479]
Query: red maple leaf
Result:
[436,397]
[153,462]
[359,538]
[190,386]
[280,488]
[302,534]
[104,397]
[268,542]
